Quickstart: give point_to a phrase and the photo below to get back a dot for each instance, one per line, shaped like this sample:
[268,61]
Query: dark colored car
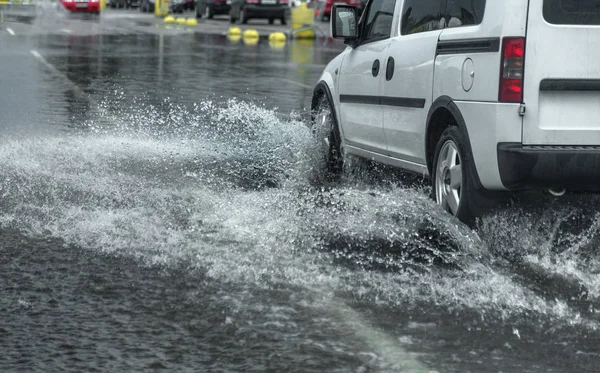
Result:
[123,3]
[243,10]
[177,6]
[210,8]
[146,6]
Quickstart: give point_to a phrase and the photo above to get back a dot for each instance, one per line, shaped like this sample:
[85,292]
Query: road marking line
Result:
[296,83]
[386,346]
[76,90]
[10,31]
[46,63]
[67,31]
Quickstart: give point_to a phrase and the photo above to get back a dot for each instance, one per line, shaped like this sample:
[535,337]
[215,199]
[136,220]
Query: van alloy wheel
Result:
[448,178]
[454,185]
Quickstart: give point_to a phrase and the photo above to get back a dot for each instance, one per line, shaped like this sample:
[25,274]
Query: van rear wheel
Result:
[453,186]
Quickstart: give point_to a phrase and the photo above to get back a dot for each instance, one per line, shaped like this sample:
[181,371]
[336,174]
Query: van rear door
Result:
[562,73]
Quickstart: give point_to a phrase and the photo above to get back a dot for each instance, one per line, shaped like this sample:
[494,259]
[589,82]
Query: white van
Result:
[496,95]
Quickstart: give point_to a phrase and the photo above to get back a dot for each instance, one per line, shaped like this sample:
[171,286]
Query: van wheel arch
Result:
[442,114]
[322,90]
[334,152]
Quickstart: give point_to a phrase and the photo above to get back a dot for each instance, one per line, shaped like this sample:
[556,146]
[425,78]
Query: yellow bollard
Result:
[169,19]
[102,4]
[250,41]
[234,31]
[303,21]
[277,37]
[180,21]
[251,34]
[191,22]
[161,8]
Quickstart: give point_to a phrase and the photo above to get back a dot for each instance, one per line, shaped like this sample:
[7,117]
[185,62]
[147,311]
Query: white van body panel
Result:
[362,123]
[471,80]
[329,77]
[556,52]
[501,124]
[412,81]
[502,17]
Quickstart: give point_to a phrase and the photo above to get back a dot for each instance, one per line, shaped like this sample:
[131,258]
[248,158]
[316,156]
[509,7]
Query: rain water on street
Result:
[163,208]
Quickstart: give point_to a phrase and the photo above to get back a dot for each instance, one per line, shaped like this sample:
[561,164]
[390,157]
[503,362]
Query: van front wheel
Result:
[453,186]
[327,132]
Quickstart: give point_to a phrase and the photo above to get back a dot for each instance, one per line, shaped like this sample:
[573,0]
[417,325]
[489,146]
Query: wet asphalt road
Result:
[162,209]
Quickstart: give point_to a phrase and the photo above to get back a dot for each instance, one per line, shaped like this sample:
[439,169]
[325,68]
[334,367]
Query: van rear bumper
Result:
[575,168]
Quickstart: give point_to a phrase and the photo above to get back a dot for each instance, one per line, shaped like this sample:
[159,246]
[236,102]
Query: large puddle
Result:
[233,193]
[217,213]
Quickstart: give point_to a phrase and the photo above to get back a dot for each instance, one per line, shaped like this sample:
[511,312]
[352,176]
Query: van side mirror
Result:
[344,23]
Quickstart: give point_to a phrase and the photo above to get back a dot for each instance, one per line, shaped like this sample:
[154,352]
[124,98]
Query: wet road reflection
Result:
[163,208]
[190,69]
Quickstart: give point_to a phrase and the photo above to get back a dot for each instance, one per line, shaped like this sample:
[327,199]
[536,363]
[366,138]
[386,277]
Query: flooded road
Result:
[163,209]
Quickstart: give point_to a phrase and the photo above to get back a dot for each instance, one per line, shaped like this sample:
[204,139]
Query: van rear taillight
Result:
[512,68]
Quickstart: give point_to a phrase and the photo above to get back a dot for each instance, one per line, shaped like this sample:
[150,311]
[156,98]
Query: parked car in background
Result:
[210,8]
[123,3]
[190,4]
[323,8]
[82,6]
[177,6]
[146,6]
[244,10]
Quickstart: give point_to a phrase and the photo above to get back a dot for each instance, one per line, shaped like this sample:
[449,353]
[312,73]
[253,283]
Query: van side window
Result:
[422,16]
[464,12]
[572,12]
[378,24]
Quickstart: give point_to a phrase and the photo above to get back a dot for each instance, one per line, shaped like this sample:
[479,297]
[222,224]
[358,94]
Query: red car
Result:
[323,8]
[85,6]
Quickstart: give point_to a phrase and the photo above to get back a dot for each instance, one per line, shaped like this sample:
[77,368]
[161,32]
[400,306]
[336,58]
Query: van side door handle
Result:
[375,68]
[389,70]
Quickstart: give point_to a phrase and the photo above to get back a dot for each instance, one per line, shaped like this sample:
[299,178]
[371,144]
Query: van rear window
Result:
[572,12]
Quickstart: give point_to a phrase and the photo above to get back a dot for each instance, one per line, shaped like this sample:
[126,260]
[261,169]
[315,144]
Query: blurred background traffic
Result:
[241,11]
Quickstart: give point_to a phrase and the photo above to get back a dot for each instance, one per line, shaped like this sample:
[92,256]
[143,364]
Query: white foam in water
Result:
[230,192]
[543,241]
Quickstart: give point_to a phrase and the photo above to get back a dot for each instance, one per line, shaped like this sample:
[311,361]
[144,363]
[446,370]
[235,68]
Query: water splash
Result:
[229,190]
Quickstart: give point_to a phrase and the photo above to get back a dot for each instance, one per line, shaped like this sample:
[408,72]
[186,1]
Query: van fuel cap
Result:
[468,74]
